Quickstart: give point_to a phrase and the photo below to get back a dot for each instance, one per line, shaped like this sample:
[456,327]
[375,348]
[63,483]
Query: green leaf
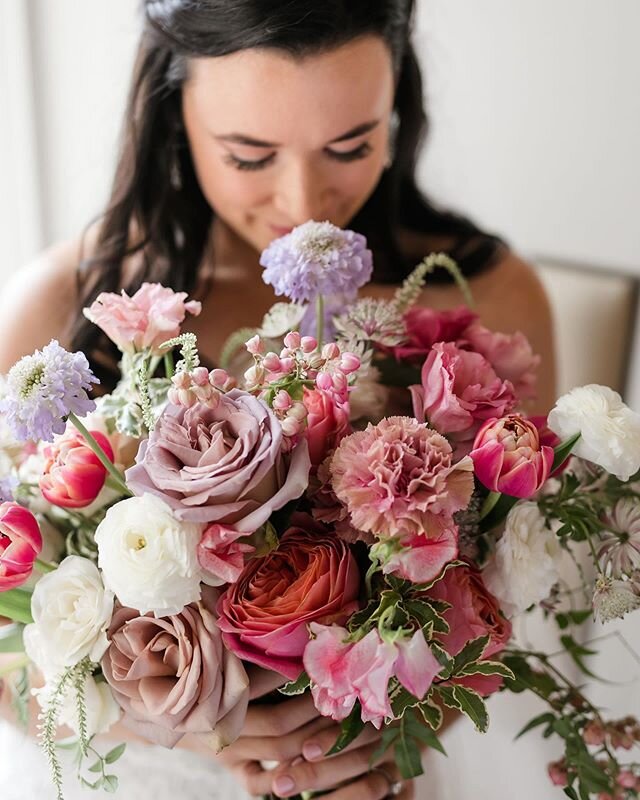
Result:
[426,614]
[11,638]
[352,726]
[541,719]
[467,701]
[387,738]
[401,701]
[488,668]
[96,767]
[110,783]
[432,713]
[577,653]
[470,653]
[408,754]
[444,658]
[299,686]
[573,618]
[570,793]
[113,755]
[562,451]
[15,604]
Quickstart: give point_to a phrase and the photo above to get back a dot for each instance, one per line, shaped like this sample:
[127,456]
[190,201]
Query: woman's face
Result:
[277,141]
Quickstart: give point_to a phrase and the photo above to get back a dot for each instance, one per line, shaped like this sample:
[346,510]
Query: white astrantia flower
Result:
[102,709]
[148,557]
[526,562]
[71,611]
[280,319]
[610,430]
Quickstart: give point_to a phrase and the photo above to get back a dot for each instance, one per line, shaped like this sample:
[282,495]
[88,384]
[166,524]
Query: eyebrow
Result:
[241,138]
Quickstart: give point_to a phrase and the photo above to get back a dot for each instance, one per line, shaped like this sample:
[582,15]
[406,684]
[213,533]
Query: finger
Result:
[319,745]
[279,719]
[263,681]
[372,787]
[274,748]
[314,776]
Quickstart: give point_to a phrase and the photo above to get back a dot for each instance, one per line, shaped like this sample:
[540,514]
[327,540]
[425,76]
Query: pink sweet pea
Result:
[422,558]
[220,555]
[145,320]
[20,544]
[73,475]
[508,457]
[327,422]
[459,390]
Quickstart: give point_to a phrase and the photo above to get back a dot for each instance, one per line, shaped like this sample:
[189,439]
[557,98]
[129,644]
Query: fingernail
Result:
[297,761]
[283,784]
[311,751]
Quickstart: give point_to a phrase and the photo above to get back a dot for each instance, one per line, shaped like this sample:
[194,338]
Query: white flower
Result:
[612,599]
[280,319]
[368,398]
[149,558]
[610,430]
[102,709]
[526,562]
[71,611]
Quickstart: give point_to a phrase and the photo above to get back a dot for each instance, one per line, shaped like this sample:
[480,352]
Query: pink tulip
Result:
[327,422]
[73,474]
[508,457]
[20,544]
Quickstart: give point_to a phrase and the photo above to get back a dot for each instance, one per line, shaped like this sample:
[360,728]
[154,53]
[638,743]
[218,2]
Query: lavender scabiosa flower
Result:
[43,389]
[7,485]
[317,259]
[612,599]
[620,546]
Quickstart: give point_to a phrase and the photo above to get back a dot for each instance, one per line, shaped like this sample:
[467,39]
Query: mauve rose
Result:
[173,675]
[222,464]
[459,390]
[474,612]
[426,326]
[327,423]
[311,576]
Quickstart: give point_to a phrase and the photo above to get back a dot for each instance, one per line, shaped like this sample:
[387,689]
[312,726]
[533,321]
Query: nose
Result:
[302,193]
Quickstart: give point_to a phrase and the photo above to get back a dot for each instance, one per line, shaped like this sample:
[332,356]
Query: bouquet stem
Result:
[106,463]
[319,320]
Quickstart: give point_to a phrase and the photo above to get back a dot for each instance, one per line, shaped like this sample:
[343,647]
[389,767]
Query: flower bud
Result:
[593,733]
[298,411]
[200,376]
[254,375]
[292,340]
[558,773]
[308,344]
[287,364]
[340,382]
[220,378]
[349,362]
[626,779]
[282,401]
[316,361]
[181,380]
[324,381]
[330,351]
[20,544]
[271,363]
[290,426]
[255,345]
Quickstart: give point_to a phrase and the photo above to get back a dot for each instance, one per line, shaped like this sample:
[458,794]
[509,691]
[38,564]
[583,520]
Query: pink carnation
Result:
[397,479]
[150,317]
[460,390]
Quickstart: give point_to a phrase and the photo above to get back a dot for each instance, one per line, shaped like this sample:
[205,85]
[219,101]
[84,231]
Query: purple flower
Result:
[333,306]
[317,258]
[7,485]
[43,389]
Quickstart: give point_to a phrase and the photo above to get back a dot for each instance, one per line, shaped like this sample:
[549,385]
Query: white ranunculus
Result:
[102,709]
[610,430]
[71,613]
[148,557]
[526,562]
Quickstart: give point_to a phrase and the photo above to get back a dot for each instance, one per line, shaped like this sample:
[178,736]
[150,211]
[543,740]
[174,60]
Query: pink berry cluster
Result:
[617,734]
[199,386]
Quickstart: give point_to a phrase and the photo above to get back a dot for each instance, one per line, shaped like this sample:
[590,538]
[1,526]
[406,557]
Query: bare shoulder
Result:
[39,302]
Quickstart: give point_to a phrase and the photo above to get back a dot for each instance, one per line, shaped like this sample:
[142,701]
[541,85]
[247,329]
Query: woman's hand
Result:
[295,737]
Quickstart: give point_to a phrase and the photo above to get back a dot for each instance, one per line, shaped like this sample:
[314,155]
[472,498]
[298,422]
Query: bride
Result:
[245,119]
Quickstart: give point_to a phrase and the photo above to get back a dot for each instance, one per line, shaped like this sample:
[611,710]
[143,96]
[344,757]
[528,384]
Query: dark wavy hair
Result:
[157,209]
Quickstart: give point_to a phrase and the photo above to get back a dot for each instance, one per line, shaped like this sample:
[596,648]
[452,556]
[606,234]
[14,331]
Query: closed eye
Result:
[362,151]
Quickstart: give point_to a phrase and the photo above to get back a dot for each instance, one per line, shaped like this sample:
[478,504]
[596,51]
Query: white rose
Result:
[71,613]
[148,557]
[610,430]
[102,708]
[526,562]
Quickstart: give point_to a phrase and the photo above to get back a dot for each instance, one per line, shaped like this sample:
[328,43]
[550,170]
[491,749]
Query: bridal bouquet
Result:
[363,511]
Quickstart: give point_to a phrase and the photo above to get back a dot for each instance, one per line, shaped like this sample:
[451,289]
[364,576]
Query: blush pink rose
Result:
[426,326]
[459,390]
[224,464]
[311,576]
[20,544]
[397,478]
[327,422]
[221,555]
[73,475]
[474,612]
[508,457]
[150,317]
[172,675]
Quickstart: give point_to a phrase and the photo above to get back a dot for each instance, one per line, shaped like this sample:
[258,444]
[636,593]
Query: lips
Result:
[280,230]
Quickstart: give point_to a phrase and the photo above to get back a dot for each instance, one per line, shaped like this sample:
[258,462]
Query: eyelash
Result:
[362,151]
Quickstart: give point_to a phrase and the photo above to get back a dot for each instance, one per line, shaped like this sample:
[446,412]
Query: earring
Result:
[394,124]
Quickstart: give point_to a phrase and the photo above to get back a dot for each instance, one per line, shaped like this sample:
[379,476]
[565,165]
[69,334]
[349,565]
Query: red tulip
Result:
[20,544]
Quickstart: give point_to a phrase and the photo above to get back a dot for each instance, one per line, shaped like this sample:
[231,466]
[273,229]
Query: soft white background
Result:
[535,110]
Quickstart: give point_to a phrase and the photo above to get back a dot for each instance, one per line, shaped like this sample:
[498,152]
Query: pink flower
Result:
[145,320]
[474,612]
[459,391]
[220,555]
[311,576]
[73,475]
[508,456]
[422,558]
[20,544]
[397,479]
[426,326]
[343,672]
[224,464]
[327,422]
[558,773]
[509,354]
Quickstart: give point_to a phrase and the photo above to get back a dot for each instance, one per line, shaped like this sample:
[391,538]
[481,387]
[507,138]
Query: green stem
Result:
[45,567]
[168,365]
[319,320]
[106,463]
[489,502]
[15,604]
[23,661]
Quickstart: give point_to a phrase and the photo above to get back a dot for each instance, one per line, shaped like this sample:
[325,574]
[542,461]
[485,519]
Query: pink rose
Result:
[459,391]
[508,457]
[474,612]
[426,326]
[224,464]
[173,675]
[310,576]
[73,475]
[509,354]
[397,478]
[150,317]
[220,555]
[20,544]
[327,422]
